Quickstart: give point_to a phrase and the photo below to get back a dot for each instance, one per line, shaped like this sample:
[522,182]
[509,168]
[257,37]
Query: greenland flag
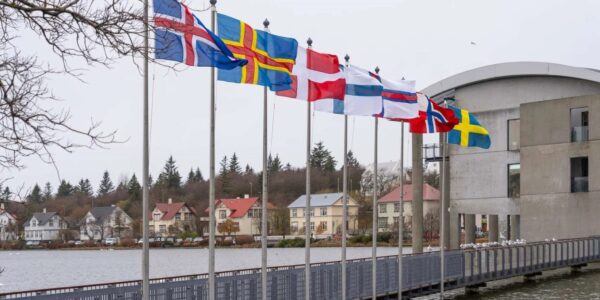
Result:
[316,76]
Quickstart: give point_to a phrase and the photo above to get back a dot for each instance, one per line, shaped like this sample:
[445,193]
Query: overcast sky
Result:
[418,39]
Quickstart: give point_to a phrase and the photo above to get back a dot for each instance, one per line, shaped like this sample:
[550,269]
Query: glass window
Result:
[222,214]
[312,226]
[294,213]
[51,223]
[312,212]
[382,208]
[579,124]
[156,216]
[163,228]
[396,221]
[396,207]
[382,222]
[178,217]
[294,226]
[579,174]
[514,180]
[323,211]
[514,134]
[323,225]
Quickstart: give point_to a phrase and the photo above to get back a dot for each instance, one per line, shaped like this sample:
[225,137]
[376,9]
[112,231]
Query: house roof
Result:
[429,194]
[5,211]
[41,217]
[100,213]
[171,209]
[316,200]
[239,206]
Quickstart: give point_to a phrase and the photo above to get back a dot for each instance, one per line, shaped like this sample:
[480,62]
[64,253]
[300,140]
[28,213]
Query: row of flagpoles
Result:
[245,55]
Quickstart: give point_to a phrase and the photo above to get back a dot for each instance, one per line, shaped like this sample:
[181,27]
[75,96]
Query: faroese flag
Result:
[468,132]
[270,57]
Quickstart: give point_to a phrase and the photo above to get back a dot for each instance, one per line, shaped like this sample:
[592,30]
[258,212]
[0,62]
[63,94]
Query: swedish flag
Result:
[468,132]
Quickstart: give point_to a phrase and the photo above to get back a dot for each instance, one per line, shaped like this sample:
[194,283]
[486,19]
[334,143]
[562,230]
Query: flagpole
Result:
[307,210]
[145,169]
[211,194]
[443,213]
[401,216]
[345,199]
[265,193]
[374,234]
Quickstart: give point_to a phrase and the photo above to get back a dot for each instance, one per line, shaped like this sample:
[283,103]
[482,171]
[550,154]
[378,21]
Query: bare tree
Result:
[94,32]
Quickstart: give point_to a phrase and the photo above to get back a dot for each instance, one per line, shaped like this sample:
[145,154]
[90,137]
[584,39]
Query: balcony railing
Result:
[579,134]
[579,184]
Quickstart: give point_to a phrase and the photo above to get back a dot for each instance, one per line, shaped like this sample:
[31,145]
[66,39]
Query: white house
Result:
[44,226]
[8,228]
[105,222]
[326,212]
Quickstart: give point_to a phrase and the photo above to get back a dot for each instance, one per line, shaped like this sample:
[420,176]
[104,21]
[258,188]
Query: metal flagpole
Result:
[401,216]
[345,200]
[374,235]
[265,193]
[145,169]
[443,213]
[307,209]
[211,193]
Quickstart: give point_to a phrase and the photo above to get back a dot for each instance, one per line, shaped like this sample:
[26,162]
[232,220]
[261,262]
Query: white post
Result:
[307,209]
[265,194]
[443,213]
[145,169]
[211,194]
[401,215]
[345,200]
[374,234]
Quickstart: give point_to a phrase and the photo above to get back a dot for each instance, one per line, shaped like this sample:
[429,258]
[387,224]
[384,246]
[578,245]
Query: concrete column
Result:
[493,228]
[417,191]
[515,227]
[454,231]
[470,228]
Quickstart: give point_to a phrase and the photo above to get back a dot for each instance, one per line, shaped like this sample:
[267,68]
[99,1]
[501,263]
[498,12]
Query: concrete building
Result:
[389,207]
[168,219]
[540,177]
[44,226]
[244,212]
[105,222]
[326,214]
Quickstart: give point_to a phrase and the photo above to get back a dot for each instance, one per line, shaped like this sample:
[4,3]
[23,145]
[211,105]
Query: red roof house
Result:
[429,194]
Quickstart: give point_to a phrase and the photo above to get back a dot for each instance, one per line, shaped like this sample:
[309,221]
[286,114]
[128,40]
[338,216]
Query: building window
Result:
[294,213]
[177,217]
[396,207]
[382,222]
[579,124]
[294,226]
[312,212]
[382,208]
[579,174]
[251,213]
[514,180]
[323,211]
[222,214]
[312,226]
[514,134]
[396,221]
[51,223]
[162,228]
[323,226]
[156,216]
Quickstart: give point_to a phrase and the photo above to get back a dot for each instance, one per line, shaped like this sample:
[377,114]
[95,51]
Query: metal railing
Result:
[420,275]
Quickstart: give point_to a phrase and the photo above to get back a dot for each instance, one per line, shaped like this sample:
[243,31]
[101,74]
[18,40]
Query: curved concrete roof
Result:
[508,70]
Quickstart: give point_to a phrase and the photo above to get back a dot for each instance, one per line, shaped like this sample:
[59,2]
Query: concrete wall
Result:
[548,208]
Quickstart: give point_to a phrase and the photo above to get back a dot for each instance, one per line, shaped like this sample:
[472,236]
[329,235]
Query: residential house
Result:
[326,214]
[8,227]
[389,207]
[168,219]
[244,212]
[105,222]
[44,226]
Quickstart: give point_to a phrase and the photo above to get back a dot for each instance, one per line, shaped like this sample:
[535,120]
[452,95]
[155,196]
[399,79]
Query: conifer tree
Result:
[6,194]
[322,159]
[36,194]
[234,165]
[85,187]
[106,185]
[64,189]
[274,164]
[170,177]
[198,175]
[191,177]
[47,195]
[134,189]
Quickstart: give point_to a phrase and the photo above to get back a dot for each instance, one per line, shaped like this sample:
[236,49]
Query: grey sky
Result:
[422,40]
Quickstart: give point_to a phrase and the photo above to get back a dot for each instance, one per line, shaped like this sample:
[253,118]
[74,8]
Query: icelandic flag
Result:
[181,37]
[362,95]
[432,117]
[316,76]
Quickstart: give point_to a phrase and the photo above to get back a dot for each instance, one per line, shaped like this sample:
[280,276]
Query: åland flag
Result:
[316,76]
[180,36]
[432,117]
[468,132]
[270,57]
[362,95]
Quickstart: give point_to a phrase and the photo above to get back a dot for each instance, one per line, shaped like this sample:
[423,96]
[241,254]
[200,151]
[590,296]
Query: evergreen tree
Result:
[234,165]
[322,159]
[64,189]
[198,176]
[134,189]
[223,167]
[106,185]
[150,180]
[85,187]
[170,177]
[274,164]
[224,177]
[352,161]
[191,177]
[36,195]
[6,194]
[249,170]
[47,195]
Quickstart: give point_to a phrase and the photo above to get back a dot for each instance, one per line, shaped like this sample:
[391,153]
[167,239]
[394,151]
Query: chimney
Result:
[44,210]
[170,201]
[246,196]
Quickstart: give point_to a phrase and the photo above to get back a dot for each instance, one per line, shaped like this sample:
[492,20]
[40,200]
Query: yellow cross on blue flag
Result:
[468,132]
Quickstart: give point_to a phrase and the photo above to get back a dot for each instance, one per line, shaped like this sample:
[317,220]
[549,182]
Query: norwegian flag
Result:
[432,117]
[316,76]
[181,37]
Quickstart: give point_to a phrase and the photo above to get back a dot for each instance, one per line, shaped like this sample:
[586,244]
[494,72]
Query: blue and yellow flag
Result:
[270,57]
[468,132]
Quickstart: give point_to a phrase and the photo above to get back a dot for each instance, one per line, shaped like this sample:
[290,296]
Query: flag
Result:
[468,132]
[399,99]
[316,76]
[362,95]
[432,117]
[270,57]
[180,36]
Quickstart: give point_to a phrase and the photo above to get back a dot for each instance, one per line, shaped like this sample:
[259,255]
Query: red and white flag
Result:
[316,76]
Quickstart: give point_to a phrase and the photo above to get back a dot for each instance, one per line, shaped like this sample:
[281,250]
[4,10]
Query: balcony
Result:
[579,184]
[579,134]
